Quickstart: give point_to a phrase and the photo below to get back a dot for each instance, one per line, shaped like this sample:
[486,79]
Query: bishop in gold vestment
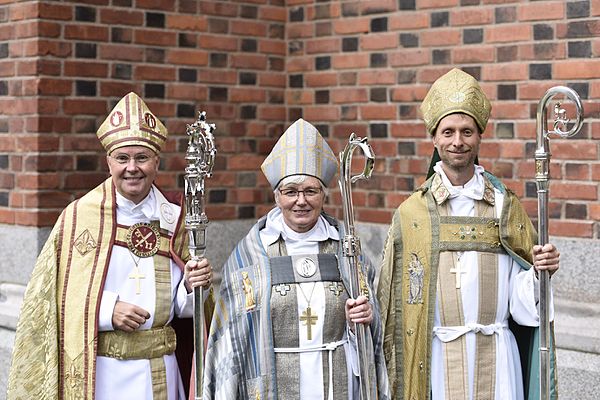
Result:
[97,318]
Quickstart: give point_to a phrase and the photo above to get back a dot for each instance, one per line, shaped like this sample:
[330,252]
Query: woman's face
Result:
[301,203]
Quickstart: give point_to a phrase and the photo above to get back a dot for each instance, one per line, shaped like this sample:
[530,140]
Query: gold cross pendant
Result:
[309,319]
[137,275]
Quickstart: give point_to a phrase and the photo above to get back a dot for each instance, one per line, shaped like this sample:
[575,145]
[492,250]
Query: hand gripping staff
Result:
[200,157]
[542,175]
[351,246]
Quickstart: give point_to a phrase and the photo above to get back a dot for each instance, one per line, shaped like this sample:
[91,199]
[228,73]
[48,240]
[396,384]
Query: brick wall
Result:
[256,65]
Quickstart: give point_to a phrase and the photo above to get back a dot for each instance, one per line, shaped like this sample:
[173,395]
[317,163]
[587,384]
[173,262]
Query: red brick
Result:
[187,57]
[154,73]
[321,79]
[374,215]
[187,22]
[326,45]
[222,9]
[410,57]
[221,211]
[297,97]
[348,26]
[350,61]
[22,11]
[408,21]
[35,181]
[582,229]
[594,210]
[370,77]
[573,150]
[299,64]
[55,11]
[511,110]
[244,162]
[36,218]
[272,113]
[247,95]
[573,191]
[117,89]
[379,42]
[187,92]
[349,95]
[165,5]
[377,6]
[408,129]
[248,28]
[249,61]
[543,11]
[471,16]
[505,72]
[472,54]
[121,16]
[549,51]
[79,68]
[378,112]
[409,94]
[318,114]
[84,107]
[272,80]
[51,48]
[120,52]
[217,76]
[576,69]
[155,37]
[85,181]
[268,46]
[271,13]
[300,30]
[440,37]
[86,32]
[508,33]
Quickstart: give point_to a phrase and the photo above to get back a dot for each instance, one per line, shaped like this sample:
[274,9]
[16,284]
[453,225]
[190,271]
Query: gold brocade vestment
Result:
[56,342]
[412,253]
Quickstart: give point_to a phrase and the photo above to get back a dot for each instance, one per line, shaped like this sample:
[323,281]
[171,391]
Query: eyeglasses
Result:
[138,159]
[295,193]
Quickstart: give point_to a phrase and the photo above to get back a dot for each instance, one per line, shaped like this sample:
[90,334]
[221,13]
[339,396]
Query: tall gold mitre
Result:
[131,123]
[301,150]
[455,92]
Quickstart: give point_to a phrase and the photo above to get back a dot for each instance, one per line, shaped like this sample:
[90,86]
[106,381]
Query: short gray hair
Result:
[296,180]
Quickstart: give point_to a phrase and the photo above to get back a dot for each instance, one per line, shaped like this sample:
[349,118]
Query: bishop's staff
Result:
[351,246]
[542,175]
[200,157]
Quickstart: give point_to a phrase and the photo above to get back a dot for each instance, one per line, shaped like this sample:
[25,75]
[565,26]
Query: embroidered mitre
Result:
[455,92]
[131,123]
[301,150]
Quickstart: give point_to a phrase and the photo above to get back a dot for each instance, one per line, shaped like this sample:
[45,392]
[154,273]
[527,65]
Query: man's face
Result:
[457,141]
[301,204]
[133,169]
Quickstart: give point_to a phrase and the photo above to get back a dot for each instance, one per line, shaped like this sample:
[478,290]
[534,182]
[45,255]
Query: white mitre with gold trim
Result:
[301,150]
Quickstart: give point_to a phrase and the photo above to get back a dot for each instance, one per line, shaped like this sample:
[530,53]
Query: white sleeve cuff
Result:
[107,308]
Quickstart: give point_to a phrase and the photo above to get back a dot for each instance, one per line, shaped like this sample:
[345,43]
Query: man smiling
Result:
[459,265]
[96,318]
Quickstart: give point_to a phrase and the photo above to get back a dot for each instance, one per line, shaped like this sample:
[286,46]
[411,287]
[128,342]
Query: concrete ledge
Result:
[577,325]
[11,298]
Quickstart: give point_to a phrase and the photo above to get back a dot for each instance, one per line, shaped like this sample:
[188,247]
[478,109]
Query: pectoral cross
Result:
[309,319]
[137,275]
[457,270]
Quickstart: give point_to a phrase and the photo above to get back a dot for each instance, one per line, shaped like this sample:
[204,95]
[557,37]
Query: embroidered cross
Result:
[137,275]
[282,289]
[336,288]
[309,319]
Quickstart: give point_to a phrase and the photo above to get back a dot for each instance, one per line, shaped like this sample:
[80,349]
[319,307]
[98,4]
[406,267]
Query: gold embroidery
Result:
[85,243]
[249,291]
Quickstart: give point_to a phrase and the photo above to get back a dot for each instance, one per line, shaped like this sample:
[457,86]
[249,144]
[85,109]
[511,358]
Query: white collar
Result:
[473,189]
[275,226]
[144,209]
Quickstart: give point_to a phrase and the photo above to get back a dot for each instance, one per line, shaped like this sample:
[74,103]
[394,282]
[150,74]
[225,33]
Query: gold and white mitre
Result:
[301,150]
[131,123]
[455,92]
